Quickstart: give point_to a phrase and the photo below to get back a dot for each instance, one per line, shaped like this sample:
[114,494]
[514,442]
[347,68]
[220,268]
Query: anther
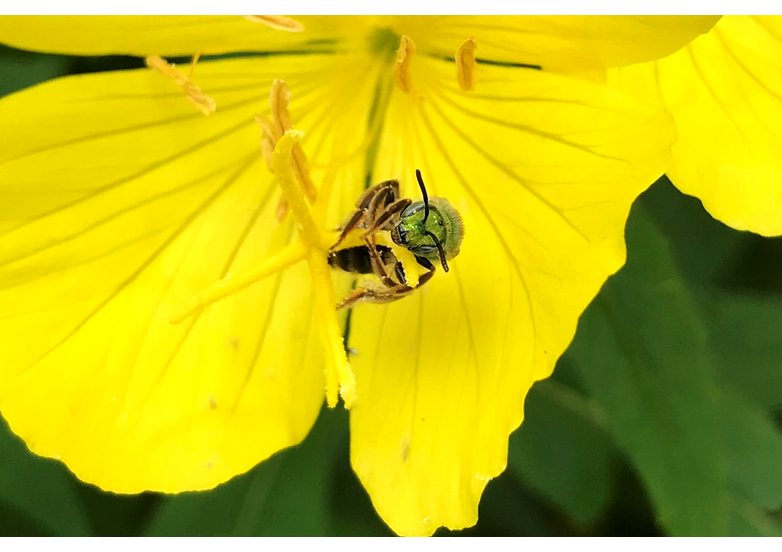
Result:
[279,101]
[193,64]
[404,57]
[278,22]
[203,102]
[292,191]
[268,140]
[465,64]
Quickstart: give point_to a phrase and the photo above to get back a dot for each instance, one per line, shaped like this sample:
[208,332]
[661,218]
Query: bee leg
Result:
[367,204]
[377,262]
[375,295]
[424,262]
[354,221]
[399,269]
[388,215]
[378,267]
[387,186]
[390,293]
[424,278]
[353,298]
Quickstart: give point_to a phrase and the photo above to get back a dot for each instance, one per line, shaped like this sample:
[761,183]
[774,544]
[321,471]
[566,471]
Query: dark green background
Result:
[662,418]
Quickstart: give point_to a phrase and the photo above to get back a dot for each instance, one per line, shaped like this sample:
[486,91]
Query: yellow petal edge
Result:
[725,92]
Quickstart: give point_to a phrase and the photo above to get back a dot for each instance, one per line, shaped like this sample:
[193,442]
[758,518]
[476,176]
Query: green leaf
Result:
[746,335]
[754,447]
[115,515]
[38,490]
[562,451]
[351,513]
[702,247]
[746,520]
[642,354]
[286,495]
[509,509]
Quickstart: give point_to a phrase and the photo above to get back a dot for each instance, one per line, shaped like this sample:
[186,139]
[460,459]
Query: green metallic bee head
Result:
[432,228]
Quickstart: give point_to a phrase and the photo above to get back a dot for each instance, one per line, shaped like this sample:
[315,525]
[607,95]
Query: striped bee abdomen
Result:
[357,259]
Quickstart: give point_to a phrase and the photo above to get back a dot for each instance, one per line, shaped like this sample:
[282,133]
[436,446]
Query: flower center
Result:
[383,42]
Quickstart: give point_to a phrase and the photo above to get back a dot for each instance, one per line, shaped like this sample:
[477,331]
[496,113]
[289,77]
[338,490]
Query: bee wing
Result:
[391,187]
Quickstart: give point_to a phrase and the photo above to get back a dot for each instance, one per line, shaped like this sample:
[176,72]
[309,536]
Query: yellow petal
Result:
[279,22]
[576,43]
[725,91]
[119,200]
[178,35]
[543,169]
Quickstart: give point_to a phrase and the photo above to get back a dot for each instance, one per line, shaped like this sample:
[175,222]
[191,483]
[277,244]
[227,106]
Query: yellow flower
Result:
[122,201]
[725,92]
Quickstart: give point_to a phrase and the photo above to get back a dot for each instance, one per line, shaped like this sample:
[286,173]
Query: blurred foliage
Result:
[662,418]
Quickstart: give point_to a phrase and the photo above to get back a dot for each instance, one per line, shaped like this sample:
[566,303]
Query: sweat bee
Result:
[431,229]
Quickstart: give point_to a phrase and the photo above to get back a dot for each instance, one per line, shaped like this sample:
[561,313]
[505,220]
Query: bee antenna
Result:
[426,198]
[439,250]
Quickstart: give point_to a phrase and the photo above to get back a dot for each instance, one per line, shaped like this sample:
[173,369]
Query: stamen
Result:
[193,64]
[228,286]
[282,159]
[465,65]
[404,57]
[278,22]
[339,376]
[268,140]
[203,102]
[311,244]
[279,100]
[282,210]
